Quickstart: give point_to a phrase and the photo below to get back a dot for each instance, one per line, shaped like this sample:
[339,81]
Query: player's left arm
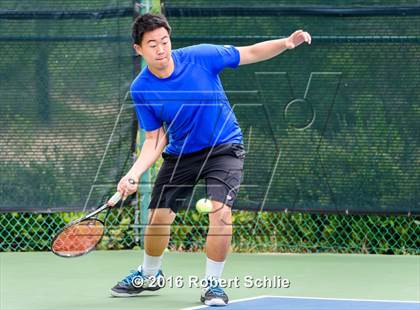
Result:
[269,49]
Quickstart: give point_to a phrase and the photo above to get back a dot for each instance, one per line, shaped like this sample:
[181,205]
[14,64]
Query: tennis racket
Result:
[82,235]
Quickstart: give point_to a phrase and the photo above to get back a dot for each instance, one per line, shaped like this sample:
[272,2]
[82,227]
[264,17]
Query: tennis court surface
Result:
[308,303]
[317,281]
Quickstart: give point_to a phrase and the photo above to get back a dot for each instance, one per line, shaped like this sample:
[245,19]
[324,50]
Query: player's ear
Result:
[138,49]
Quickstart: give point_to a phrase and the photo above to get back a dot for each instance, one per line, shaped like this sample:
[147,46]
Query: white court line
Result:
[316,298]
[230,302]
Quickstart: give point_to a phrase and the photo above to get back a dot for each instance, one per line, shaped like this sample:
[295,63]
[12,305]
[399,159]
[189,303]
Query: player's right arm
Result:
[151,150]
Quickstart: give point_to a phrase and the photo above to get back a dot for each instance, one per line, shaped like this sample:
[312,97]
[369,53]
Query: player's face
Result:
[155,48]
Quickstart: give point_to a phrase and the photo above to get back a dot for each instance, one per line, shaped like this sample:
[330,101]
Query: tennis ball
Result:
[204,205]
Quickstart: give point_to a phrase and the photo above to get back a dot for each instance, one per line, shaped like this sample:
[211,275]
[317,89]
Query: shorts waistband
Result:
[215,149]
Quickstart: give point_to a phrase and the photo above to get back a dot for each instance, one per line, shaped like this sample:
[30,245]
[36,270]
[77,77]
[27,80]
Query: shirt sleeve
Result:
[216,57]
[145,114]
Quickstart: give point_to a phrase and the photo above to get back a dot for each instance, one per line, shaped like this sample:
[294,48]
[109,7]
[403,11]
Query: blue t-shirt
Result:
[191,102]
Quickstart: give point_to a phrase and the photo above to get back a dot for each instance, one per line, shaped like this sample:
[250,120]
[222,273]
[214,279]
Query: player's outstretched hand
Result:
[297,38]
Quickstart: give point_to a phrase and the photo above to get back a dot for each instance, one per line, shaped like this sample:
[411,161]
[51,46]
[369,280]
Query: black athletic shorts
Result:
[220,167]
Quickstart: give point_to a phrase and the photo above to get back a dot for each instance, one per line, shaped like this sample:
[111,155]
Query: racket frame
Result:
[115,198]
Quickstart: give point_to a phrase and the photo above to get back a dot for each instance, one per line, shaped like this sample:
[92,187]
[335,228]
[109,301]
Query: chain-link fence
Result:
[307,233]
[66,130]
[271,232]
[34,231]
[322,123]
[58,132]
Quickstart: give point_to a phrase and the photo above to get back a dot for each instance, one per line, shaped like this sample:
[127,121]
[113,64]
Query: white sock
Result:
[151,265]
[214,269]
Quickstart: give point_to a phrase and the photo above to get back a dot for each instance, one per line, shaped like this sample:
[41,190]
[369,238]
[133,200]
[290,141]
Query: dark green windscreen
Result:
[65,135]
[329,127]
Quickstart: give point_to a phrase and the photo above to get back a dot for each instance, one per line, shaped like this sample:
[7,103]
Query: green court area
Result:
[43,281]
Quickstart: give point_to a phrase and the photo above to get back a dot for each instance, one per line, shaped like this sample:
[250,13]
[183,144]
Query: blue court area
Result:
[306,303]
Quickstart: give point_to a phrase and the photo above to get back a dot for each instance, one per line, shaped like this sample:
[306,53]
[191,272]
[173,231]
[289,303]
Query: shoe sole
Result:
[214,302]
[116,294]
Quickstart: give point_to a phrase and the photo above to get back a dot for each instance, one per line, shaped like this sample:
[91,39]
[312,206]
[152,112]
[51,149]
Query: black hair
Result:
[148,22]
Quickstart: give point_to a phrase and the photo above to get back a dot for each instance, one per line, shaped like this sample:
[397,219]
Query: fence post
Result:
[145,189]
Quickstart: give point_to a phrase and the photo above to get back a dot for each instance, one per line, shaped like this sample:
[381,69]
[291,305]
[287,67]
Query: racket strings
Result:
[79,238]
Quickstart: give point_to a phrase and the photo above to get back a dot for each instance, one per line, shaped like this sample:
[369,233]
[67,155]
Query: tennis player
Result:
[181,105]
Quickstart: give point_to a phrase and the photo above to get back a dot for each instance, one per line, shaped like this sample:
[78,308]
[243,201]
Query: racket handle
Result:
[114,199]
